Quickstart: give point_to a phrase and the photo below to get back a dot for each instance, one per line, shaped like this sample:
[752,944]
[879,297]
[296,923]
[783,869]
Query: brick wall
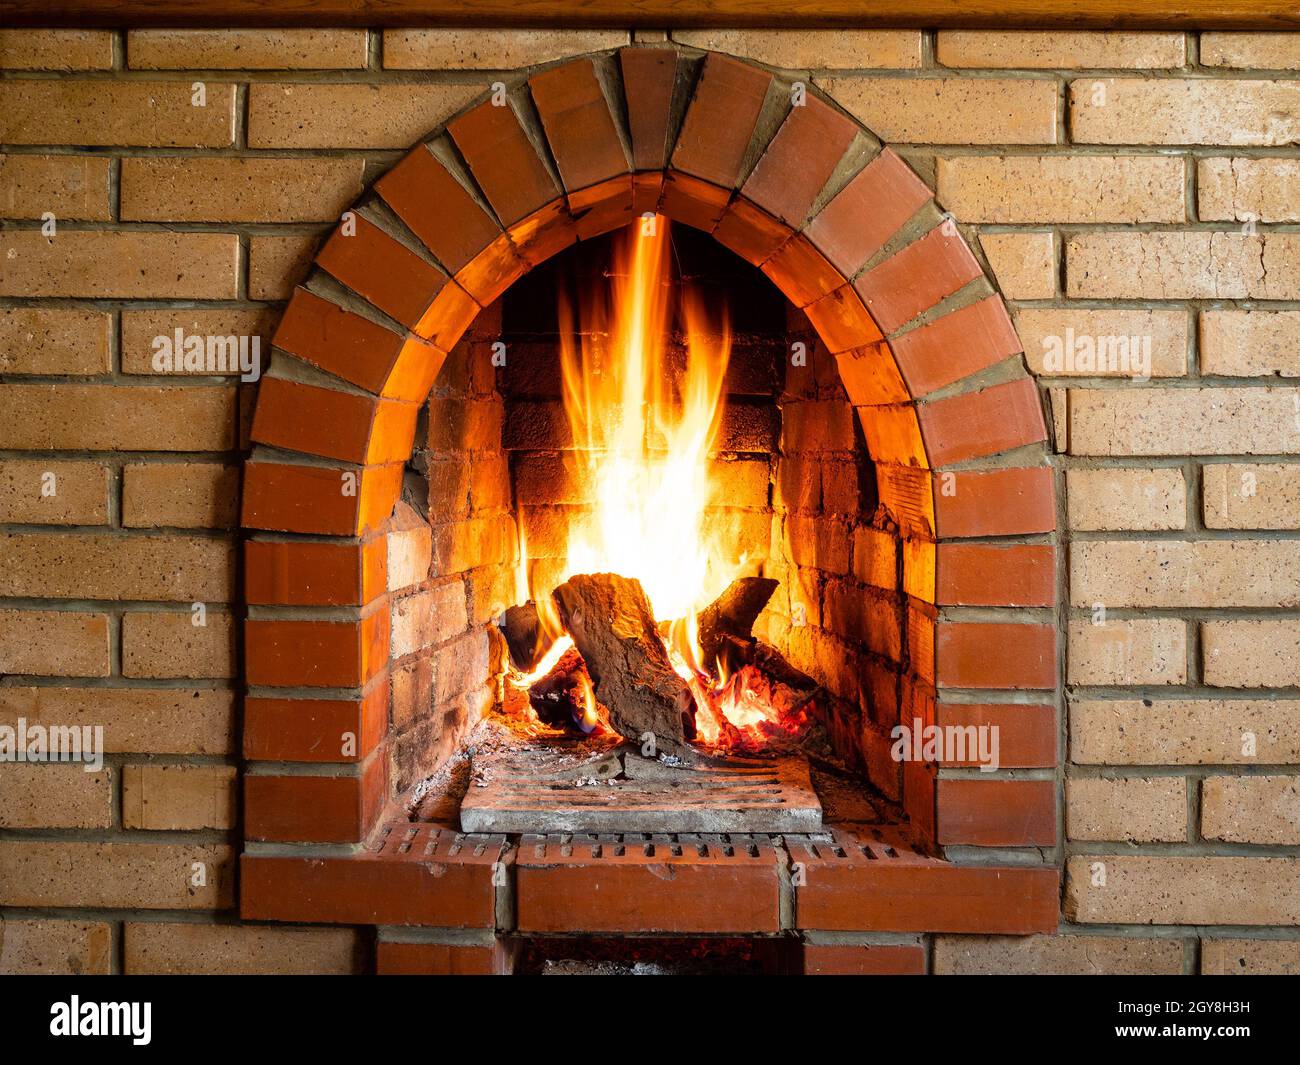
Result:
[447,662]
[839,613]
[1118,185]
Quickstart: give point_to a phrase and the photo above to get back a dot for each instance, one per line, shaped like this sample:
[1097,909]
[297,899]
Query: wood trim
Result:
[1001,14]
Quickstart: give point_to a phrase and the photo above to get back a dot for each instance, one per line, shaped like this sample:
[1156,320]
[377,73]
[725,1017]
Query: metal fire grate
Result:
[516,796]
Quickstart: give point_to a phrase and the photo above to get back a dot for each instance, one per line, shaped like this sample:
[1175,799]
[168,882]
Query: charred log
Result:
[522,629]
[733,613]
[612,627]
[560,697]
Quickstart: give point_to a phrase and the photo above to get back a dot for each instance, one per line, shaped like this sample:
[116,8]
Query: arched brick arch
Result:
[839,223]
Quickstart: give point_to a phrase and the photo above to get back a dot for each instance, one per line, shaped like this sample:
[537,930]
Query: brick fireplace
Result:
[1008,418]
[891,470]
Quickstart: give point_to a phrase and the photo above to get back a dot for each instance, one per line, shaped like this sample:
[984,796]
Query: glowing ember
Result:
[643,449]
[747,713]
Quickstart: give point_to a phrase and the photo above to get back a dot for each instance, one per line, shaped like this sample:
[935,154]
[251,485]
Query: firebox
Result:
[671,441]
[649,534]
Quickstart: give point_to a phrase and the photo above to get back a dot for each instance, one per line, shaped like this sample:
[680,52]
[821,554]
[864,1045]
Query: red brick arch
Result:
[844,228]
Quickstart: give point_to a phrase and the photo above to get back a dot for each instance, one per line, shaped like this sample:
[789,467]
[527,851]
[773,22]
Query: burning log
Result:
[612,626]
[522,629]
[760,679]
[563,697]
[733,613]
[799,688]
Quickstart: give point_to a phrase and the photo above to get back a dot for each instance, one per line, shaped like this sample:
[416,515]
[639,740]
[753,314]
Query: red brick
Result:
[310,573]
[844,890]
[870,376]
[315,730]
[649,77]
[866,959]
[647,190]
[335,425]
[973,424]
[917,277]
[1027,735]
[504,163]
[578,124]
[995,655]
[357,349]
[492,271]
[800,271]
[452,312]
[870,209]
[316,654]
[750,232]
[437,208]
[442,959]
[720,119]
[1001,502]
[799,160]
[545,232]
[590,886]
[997,813]
[604,206]
[893,434]
[318,499]
[695,202]
[442,879]
[843,323]
[996,575]
[388,274]
[314,809]
[955,346]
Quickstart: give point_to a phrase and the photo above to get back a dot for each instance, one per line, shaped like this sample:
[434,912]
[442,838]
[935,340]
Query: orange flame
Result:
[747,713]
[643,444]
[590,715]
[643,438]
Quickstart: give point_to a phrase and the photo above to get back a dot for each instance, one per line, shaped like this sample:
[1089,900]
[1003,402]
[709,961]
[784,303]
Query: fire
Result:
[643,438]
[645,445]
[746,713]
[549,618]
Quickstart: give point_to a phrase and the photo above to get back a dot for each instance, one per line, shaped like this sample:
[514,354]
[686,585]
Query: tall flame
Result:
[644,443]
[643,437]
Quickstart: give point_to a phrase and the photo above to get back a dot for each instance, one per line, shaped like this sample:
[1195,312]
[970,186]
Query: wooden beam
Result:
[659,14]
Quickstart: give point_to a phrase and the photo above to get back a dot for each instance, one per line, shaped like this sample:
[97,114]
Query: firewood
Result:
[612,626]
[733,613]
[523,632]
[559,697]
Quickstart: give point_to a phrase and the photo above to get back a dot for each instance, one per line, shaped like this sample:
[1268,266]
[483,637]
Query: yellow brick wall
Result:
[1122,184]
